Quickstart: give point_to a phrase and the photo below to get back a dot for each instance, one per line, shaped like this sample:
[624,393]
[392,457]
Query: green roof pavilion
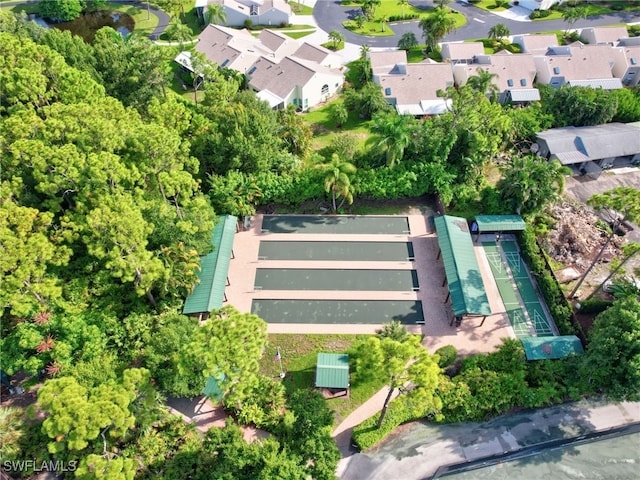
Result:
[209,294]
[466,288]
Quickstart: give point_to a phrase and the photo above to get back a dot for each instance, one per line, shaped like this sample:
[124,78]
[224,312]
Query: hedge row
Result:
[549,286]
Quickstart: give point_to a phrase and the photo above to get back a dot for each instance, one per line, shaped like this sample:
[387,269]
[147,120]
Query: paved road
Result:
[329,15]
[417,449]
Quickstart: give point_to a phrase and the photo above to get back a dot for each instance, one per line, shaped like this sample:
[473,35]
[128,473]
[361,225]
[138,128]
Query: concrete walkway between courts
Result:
[418,449]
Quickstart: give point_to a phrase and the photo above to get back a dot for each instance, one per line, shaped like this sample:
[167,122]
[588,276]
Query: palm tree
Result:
[384,20]
[407,41]
[364,51]
[179,32]
[402,3]
[435,26]
[369,8]
[499,31]
[215,14]
[337,38]
[573,14]
[337,180]
[483,83]
[396,132]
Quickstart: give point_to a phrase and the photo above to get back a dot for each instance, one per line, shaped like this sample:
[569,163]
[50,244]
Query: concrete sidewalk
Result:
[417,450]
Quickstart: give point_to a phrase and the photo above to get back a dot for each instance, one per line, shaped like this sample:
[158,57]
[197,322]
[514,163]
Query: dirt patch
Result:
[574,241]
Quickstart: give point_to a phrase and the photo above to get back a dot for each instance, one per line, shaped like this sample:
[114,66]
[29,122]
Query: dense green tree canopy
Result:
[612,359]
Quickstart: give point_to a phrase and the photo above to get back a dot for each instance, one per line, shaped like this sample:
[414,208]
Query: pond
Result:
[87,24]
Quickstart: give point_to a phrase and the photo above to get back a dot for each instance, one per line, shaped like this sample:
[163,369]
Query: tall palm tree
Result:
[364,51]
[337,180]
[402,3]
[435,26]
[483,83]
[215,14]
[396,132]
[499,31]
[336,37]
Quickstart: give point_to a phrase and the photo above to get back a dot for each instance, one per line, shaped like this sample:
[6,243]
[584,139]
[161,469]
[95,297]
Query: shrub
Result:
[447,354]
[539,14]
[551,291]
[248,24]
[595,305]
[407,16]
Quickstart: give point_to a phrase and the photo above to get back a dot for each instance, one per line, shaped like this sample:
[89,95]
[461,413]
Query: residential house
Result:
[461,52]
[578,65]
[294,81]
[627,65]
[258,12]
[412,88]
[604,35]
[590,149]
[536,43]
[513,75]
[279,69]
[318,54]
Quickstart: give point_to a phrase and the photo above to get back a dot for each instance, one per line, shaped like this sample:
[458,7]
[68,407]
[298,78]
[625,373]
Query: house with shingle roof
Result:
[589,149]
[604,35]
[258,12]
[411,88]
[279,69]
[514,75]
[578,65]
[536,43]
[627,62]
[461,52]
[294,81]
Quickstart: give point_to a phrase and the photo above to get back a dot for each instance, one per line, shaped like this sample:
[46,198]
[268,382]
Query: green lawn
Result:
[600,8]
[388,9]
[300,8]
[297,35]
[299,354]
[489,5]
[324,129]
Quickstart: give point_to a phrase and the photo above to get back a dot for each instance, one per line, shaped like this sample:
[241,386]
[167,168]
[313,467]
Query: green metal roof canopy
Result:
[332,370]
[209,293]
[468,295]
[540,348]
[500,223]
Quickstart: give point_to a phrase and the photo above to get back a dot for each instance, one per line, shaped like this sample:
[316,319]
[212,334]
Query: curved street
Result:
[329,15]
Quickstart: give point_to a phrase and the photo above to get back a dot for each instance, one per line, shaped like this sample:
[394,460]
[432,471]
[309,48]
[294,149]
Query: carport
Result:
[466,287]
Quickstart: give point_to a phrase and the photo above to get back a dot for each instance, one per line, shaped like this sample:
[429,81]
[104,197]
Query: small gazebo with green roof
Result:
[332,374]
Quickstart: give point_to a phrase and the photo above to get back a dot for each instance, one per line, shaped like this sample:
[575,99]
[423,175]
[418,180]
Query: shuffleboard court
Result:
[336,224]
[335,279]
[371,312]
[339,251]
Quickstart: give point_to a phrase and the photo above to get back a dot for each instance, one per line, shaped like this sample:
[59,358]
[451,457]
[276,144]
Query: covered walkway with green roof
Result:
[497,223]
[209,292]
[466,287]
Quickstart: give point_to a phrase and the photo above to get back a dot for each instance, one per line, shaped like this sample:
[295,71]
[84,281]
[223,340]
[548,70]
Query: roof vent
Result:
[251,70]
